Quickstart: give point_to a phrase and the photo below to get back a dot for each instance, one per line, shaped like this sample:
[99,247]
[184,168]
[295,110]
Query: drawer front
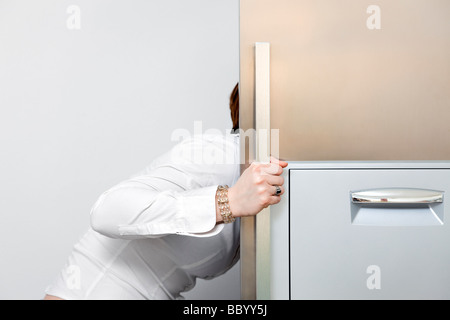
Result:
[394,248]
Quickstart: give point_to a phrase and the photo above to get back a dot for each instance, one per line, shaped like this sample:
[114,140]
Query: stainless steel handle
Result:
[397,196]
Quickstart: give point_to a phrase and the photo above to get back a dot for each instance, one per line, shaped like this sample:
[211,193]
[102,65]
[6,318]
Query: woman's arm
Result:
[176,194]
[136,209]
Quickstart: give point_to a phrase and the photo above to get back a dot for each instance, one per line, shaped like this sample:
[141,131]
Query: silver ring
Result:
[278,191]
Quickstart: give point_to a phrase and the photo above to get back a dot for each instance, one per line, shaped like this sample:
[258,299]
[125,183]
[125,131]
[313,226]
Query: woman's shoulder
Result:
[206,149]
[203,155]
[209,139]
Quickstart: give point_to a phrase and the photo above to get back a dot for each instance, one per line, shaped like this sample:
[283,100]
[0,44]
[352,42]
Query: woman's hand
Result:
[256,188]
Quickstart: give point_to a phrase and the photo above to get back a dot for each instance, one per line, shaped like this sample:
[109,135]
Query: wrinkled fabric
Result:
[155,233]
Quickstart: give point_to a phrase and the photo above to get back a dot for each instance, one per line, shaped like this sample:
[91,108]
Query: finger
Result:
[273,160]
[283,164]
[274,191]
[274,200]
[273,168]
[280,162]
[274,180]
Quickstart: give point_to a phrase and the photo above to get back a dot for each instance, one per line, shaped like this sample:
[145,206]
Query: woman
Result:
[155,233]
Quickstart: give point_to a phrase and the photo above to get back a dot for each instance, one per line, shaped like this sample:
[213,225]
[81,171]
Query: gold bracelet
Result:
[224,206]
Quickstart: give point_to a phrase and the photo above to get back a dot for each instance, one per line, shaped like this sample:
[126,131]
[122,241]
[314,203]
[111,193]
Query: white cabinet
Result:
[338,249]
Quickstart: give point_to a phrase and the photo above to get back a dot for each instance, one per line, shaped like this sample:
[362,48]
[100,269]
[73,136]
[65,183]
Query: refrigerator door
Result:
[342,249]
[352,79]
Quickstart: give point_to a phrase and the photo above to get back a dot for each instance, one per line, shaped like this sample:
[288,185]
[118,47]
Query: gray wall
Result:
[87,103]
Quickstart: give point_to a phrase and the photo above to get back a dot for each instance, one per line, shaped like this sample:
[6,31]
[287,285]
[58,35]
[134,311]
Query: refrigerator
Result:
[355,95]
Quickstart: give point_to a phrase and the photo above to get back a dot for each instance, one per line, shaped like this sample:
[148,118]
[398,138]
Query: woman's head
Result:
[234,107]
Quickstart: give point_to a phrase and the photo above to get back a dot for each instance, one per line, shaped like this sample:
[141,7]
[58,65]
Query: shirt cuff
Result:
[195,216]
[197,208]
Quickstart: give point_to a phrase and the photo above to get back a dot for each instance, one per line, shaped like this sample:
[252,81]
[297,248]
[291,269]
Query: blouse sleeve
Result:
[174,195]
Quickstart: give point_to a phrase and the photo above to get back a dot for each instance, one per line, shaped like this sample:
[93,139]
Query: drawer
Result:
[345,247]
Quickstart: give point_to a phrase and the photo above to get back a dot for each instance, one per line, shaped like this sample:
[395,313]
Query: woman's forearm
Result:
[136,209]
[133,210]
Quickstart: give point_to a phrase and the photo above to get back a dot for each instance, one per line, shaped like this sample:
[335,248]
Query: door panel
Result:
[350,80]
[332,257]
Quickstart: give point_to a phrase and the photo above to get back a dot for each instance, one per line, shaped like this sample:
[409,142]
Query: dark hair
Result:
[234,107]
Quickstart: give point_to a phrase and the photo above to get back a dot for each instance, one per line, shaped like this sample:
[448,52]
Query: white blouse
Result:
[154,234]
